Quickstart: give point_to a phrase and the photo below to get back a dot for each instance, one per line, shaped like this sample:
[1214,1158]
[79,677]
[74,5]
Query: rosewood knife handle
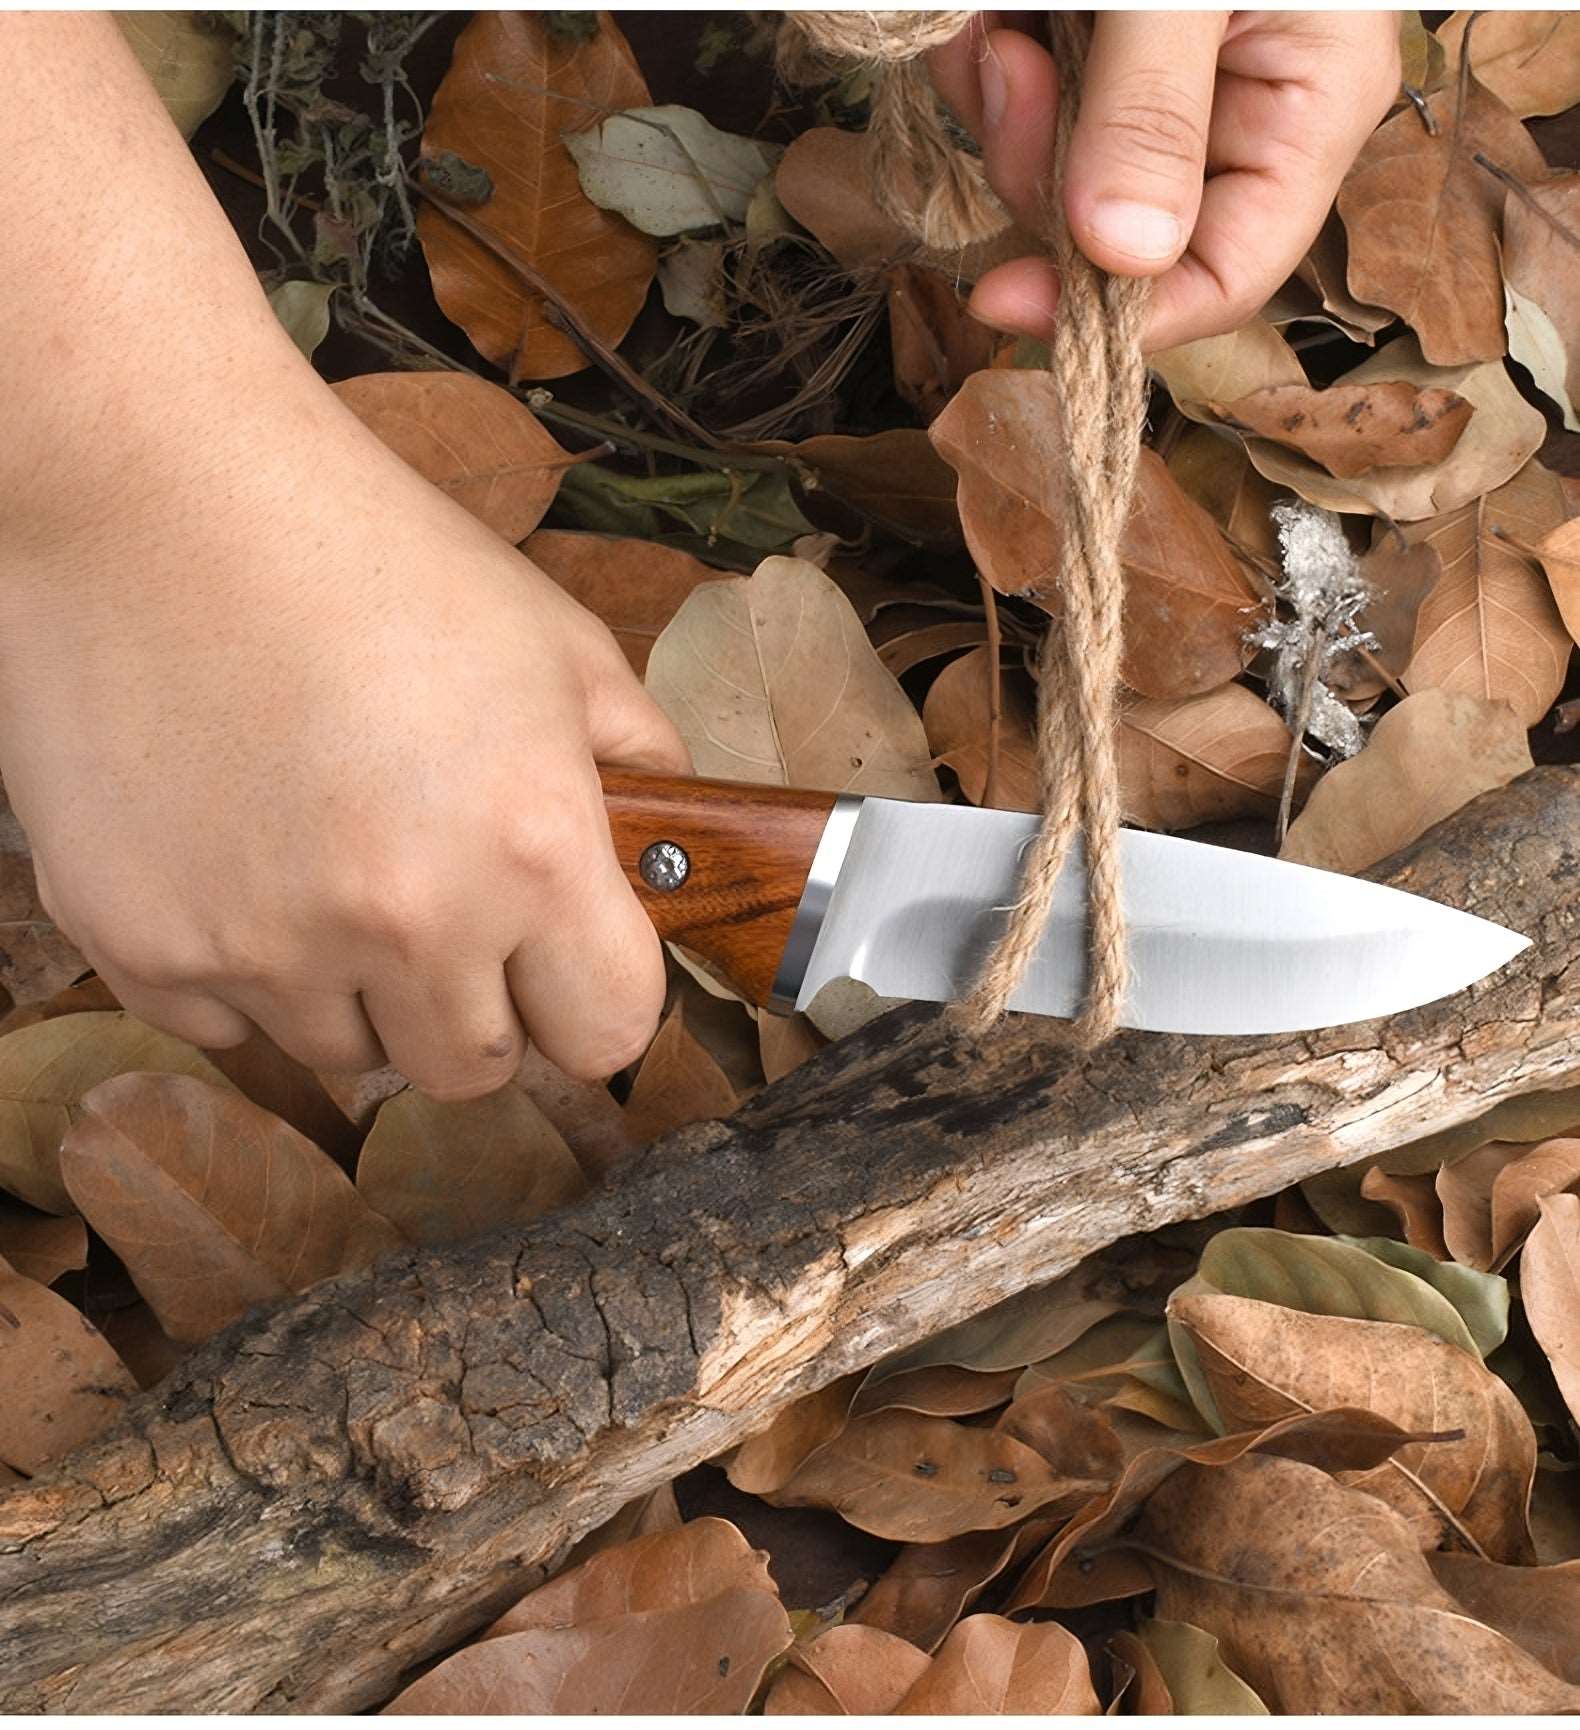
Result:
[719,866]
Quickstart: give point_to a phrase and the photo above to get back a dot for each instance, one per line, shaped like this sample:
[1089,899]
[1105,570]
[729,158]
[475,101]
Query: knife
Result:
[784,889]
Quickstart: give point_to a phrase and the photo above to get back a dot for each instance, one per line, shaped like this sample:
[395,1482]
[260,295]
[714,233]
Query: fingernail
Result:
[1137,230]
[995,90]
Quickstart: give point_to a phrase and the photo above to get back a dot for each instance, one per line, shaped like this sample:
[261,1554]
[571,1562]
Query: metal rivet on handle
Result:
[664,865]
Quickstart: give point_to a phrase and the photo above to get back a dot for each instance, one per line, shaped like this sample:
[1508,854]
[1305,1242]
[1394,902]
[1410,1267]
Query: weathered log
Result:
[333,1489]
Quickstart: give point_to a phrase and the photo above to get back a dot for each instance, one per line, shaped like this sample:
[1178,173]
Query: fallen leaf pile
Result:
[1330,1463]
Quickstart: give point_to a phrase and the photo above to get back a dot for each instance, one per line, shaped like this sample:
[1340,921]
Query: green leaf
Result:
[1319,1275]
[667,170]
[1482,1299]
[303,308]
[735,514]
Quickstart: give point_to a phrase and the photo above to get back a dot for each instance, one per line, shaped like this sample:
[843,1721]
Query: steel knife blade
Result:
[785,890]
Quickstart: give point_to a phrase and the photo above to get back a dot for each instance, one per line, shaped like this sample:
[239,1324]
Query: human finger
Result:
[1138,154]
[195,1016]
[451,1029]
[327,1030]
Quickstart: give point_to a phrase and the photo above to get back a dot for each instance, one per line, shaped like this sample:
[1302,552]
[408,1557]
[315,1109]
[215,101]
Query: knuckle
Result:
[612,1049]
[485,1064]
[1159,130]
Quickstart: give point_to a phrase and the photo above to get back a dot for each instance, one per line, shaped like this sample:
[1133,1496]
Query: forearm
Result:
[134,338]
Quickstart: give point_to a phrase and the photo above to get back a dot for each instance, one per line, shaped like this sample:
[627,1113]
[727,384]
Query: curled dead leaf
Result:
[1550,1285]
[440,1171]
[1490,626]
[679,1082]
[213,1203]
[990,1665]
[1188,602]
[1432,754]
[1422,218]
[477,443]
[1529,60]
[513,88]
[45,1070]
[771,678]
[681,1621]
[1491,1198]
[1189,760]
[63,1382]
[1264,1362]
[847,1670]
[1351,429]
[1316,1592]
[902,1475]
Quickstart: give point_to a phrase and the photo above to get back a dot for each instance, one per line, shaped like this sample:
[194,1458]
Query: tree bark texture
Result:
[336,1488]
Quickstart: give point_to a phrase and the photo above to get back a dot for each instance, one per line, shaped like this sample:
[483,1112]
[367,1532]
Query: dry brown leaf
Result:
[990,1665]
[1422,219]
[1188,602]
[1217,473]
[1504,433]
[1142,1692]
[905,637]
[1426,758]
[1351,429]
[37,959]
[674,1621]
[40,1246]
[935,344]
[477,443]
[270,1078]
[657,1511]
[1023,1329]
[1560,555]
[63,1383]
[771,678]
[785,1042]
[143,1346]
[1080,1566]
[822,182]
[1400,576]
[1490,1198]
[1325,269]
[939,1390]
[1189,760]
[919,1479]
[1253,358]
[1490,626]
[635,587]
[928,1587]
[957,715]
[895,479]
[848,1670]
[678,1083]
[1529,60]
[513,88]
[213,1203]
[441,1171]
[1321,1599]
[585,1113]
[1541,269]
[1537,1608]
[1550,1287]
[1412,1199]
[770,1459]
[1264,1362]
[45,1069]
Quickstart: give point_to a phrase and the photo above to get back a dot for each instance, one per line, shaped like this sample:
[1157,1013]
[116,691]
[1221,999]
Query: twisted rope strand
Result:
[1096,360]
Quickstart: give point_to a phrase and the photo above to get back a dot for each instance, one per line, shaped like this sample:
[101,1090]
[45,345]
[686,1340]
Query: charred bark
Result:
[335,1488]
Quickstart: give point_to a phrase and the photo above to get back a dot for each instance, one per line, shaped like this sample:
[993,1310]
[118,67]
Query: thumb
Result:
[628,730]
[1138,154]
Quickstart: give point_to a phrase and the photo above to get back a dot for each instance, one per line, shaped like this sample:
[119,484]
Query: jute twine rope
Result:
[936,191]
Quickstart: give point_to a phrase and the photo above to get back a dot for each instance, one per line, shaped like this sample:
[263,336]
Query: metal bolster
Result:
[809,915]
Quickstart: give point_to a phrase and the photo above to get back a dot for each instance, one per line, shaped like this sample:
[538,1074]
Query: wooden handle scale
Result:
[723,868]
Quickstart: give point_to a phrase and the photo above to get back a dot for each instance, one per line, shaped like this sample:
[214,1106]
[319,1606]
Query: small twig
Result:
[562,316]
[1298,722]
[1523,193]
[995,692]
[223,159]
[1370,658]
[1417,100]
